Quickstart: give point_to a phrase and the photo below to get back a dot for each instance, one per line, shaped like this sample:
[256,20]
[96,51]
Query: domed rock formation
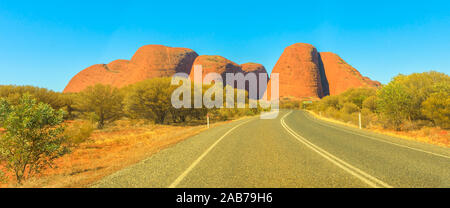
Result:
[253,68]
[113,73]
[217,64]
[149,61]
[341,76]
[303,72]
[257,69]
[299,72]
[160,61]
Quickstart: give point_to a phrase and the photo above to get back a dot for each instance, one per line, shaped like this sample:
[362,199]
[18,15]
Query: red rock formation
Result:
[253,68]
[299,73]
[148,62]
[217,64]
[341,76]
[303,72]
[257,69]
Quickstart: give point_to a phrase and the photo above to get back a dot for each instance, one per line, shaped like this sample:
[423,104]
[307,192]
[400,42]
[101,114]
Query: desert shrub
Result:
[33,138]
[14,93]
[3,178]
[78,132]
[370,103]
[69,105]
[356,96]
[349,118]
[408,125]
[226,113]
[394,104]
[368,118]
[290,104]
[402,99]
[150,99]
[330,101]
[102,102]
[349,108]
[437,108]
[419,86]
[333,113]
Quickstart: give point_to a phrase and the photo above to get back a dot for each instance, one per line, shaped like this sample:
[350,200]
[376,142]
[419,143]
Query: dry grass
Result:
[108,151]
[430,135]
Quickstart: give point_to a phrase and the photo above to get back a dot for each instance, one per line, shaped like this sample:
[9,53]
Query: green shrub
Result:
[349,108]
[356,96]
[33,138]
[403,99]
[102,102]
[78,132]
[437,108]
[150,99]
[14,93]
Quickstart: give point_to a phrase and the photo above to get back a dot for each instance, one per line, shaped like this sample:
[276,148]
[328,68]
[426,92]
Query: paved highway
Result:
[294,150]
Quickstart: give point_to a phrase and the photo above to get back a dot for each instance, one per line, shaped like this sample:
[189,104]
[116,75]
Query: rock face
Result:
[303,72]
[306,74]
[341,76]
[149,61]
[217,64]
[299,72]
[257,69]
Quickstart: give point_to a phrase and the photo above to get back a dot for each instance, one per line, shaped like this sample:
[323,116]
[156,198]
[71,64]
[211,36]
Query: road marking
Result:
[380,140]
[192,166]
[363,176]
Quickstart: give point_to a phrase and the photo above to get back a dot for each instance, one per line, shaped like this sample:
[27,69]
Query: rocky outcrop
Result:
[306,74]
[257,69]
[149,61]
[303,72]
[341,76]
[216,64]
[299,72]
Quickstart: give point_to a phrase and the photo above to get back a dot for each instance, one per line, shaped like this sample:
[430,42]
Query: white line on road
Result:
[363,176]
[192,166]
[373,138]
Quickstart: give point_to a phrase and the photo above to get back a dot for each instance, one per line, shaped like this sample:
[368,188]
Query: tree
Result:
[437,108]
[419,86]
[14,93]
[370,103]
[403,98]
[104,101]
[69,102]
[330,101]
[33,137]
[350,108]
[394,103]
[150,99]
[357,96]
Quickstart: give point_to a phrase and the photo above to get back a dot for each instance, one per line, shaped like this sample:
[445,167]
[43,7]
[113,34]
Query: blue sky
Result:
[45,43]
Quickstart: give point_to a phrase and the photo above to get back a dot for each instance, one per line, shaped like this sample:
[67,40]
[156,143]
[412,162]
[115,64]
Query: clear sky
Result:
[45,43]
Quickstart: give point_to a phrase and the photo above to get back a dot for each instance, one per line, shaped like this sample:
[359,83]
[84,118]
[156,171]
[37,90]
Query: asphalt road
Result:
[294,150]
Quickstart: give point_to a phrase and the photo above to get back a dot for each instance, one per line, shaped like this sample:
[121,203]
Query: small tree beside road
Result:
[33,136]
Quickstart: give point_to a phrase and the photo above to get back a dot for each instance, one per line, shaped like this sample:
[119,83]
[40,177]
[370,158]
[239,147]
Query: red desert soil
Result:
[108,151]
